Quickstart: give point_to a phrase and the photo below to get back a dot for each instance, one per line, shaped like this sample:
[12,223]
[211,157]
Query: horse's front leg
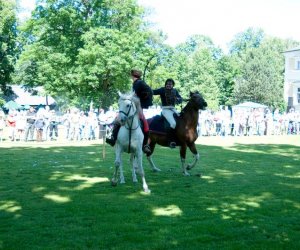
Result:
[134,167]
[193,149]
[114,180]
[122,178]
[118,166]
[182,157]
[139,161]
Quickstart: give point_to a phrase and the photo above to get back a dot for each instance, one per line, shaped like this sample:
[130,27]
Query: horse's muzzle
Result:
[123,119]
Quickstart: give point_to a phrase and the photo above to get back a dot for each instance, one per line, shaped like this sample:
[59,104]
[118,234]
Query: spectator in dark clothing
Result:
[30,120]
[39,124]
[53,125]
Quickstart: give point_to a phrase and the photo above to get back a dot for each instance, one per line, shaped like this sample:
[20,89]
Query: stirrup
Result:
[146,149]
[110,141]
[172,144]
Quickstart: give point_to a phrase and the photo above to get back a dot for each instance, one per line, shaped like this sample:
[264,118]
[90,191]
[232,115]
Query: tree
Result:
[203,77]
[195,42]
[262,74]
[227,71]
[83,48]
[251,38]
[8,47]
[104,63]
[197,68]
[162,67]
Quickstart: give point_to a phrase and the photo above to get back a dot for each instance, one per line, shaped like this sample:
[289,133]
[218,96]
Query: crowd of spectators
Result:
[45,124]
[248,122]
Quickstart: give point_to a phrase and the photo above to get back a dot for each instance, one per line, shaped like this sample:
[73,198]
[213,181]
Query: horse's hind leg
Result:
[196,156]
[149,158]
[154,168]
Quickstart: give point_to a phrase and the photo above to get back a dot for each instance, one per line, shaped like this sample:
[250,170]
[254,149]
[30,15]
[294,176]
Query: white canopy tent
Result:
[26,98]
[249,105]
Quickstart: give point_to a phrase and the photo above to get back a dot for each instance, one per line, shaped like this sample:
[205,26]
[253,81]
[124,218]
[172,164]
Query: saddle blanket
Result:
[157,124]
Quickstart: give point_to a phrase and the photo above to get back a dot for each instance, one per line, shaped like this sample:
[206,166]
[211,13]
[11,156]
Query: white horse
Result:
[130,139]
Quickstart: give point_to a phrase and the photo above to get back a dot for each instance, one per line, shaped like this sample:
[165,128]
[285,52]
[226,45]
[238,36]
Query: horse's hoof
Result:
[114,183]
[122,182]
[156,170]
[186,174]
[199,175]
[147,191]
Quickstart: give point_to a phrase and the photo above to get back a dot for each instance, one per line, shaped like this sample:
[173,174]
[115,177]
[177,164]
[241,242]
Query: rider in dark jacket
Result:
[169,97]
[144,92]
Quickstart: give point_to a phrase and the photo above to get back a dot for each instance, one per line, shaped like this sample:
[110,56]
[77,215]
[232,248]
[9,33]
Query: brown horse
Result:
[186,131]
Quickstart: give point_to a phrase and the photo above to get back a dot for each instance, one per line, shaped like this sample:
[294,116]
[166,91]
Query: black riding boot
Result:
[146,147]
[171,137]
[112,140]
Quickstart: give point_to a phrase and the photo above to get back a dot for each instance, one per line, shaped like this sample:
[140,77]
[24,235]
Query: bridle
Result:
[128,112]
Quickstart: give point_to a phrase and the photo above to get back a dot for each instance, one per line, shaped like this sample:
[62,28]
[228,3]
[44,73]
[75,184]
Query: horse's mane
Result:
[131,96]
[185,108]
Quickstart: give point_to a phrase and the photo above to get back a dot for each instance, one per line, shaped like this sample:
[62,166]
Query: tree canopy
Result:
[8,45]
[82,51]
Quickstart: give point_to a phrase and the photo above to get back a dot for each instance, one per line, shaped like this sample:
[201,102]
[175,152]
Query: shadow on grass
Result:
[248,195]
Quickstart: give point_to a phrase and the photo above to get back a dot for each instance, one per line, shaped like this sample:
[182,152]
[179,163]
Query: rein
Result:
[127,122]
[130,130]
[183,100]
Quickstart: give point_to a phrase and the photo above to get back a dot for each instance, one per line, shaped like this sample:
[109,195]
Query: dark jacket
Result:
[31,117]
[39,123]
[144,92]
[167,101]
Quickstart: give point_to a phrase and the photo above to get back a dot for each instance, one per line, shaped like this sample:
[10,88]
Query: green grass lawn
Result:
[59,196]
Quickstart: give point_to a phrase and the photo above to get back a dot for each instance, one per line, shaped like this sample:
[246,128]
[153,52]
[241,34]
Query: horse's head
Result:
[197,100]
[129,106]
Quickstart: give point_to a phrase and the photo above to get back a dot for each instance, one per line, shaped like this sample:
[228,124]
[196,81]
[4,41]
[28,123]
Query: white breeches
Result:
[168,112]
